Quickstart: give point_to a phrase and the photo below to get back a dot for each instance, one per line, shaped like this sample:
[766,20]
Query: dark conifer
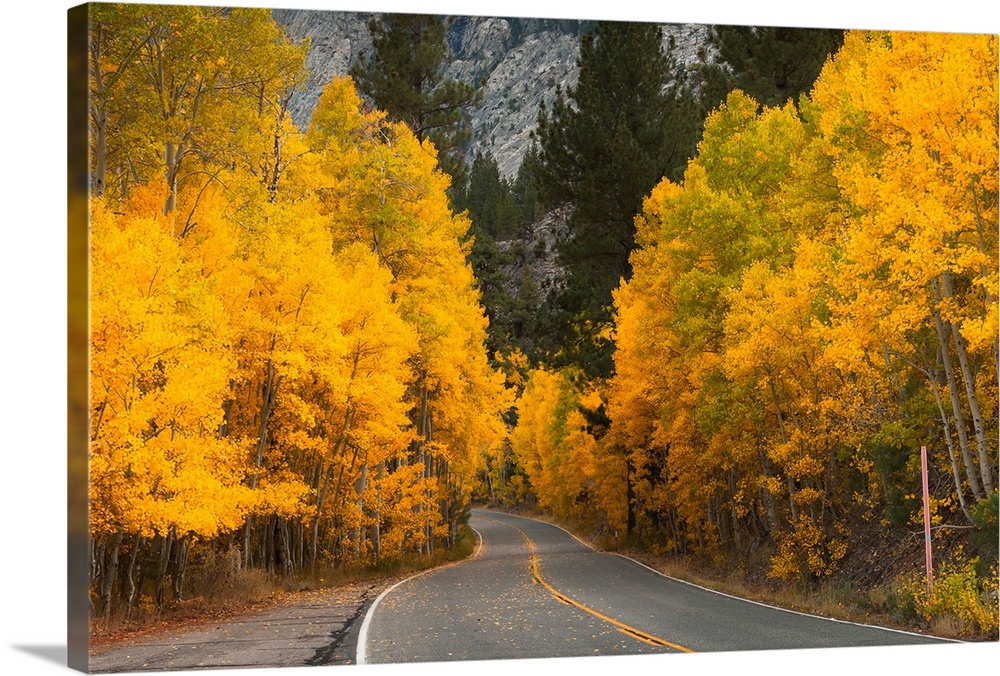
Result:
[771,64]
[404,78]
[489,200]
[490,206]
[603,145]
[525,189]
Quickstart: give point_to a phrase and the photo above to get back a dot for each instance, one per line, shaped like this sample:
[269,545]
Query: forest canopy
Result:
[810,304]
[287,358]
[293,367]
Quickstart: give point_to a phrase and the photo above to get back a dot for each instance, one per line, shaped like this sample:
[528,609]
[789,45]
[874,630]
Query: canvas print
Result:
[408,338]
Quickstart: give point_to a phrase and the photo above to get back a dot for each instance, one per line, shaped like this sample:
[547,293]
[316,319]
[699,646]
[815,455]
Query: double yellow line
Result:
[621,626]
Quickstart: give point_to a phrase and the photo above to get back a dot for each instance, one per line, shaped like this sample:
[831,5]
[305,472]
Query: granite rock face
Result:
[518,62]
[335,40]
[534,255]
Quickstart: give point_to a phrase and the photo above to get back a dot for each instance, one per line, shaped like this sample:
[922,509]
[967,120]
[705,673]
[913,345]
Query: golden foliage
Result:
[287,340]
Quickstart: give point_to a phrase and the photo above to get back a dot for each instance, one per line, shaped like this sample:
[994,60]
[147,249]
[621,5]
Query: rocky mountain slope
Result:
[519,63]
[522,61]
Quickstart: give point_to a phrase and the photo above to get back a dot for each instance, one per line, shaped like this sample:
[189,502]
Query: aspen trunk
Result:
[166,545]
[357,534]
[172,157]
[767,497]
[300,550]
[99,114]
[323,489]
[983,271]
[129,588]
[969,379]
[180,568]
[282,554]
[956,404]
[320,500]
[946,425]
[269,394]
[429,493]
[376,528]
[630,516]
[338,494]
[793,507]
[99,178]
[110,573]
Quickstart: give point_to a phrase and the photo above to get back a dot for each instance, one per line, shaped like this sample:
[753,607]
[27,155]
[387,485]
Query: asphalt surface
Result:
[319,628]
[533,590]
[486,608]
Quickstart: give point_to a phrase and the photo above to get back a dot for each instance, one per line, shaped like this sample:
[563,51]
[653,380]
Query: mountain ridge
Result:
[523,61]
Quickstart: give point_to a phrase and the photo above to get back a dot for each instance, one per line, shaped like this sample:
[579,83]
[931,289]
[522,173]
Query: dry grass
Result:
[243,592]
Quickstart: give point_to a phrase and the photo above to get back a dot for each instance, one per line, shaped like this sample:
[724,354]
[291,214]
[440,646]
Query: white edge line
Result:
[730,596]
[360,657]
[786,610]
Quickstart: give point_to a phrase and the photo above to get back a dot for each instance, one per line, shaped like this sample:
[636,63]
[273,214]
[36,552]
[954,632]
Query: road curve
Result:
[533,590]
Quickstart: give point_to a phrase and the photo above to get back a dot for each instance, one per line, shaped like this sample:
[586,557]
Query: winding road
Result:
[533,590]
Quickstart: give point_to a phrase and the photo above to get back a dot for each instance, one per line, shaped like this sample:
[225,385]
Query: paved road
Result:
[319,627]
[533,590]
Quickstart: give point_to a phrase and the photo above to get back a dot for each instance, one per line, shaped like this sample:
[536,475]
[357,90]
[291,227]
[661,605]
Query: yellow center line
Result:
[621,626]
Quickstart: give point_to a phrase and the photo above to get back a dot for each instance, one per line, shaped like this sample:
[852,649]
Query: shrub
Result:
[960,598]
[984,536]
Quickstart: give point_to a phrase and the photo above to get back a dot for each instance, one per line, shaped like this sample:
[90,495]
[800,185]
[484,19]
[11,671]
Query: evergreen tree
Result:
[630,121]
[404,78]
[525,189]
[524,314]
[771,64]
[489,200]
[487,260]
[491,208]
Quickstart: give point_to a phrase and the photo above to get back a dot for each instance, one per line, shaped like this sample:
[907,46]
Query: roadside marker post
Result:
[927,520]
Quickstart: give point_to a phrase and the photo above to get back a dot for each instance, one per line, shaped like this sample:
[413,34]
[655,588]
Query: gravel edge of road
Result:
[367,590]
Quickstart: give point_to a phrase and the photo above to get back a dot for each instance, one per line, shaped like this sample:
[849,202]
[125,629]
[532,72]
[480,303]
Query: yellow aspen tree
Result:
[366,414]
[380,188]
[774,339]
[571,473]
[117,34]
[295,348]
[907,124]
[199,81]
[700,472]
[160,373]
[537,439]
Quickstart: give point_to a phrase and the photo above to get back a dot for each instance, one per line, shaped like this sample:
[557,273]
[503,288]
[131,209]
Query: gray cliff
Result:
[522,61]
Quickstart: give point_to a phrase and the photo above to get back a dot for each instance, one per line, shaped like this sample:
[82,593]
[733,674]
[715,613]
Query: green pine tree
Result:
[771,64]
[494,216]
[525,190]
[630,121]
[488,198]
[404,78]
